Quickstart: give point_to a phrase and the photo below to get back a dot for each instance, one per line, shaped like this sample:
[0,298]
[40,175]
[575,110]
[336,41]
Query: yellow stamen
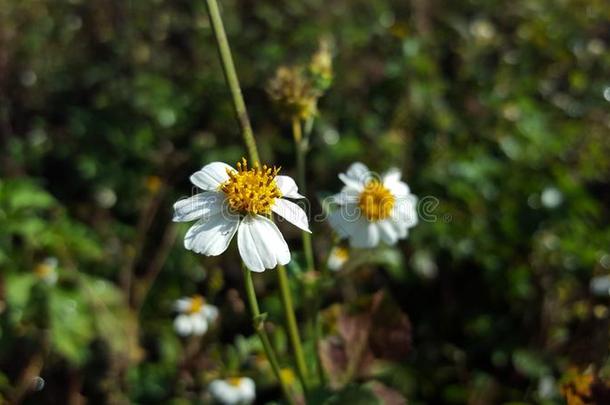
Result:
[234,381]
[376,201]
[251,191]
[197,303]
[42,270]
[341,253]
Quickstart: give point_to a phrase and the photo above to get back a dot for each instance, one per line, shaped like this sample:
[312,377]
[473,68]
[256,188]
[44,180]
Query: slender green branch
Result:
[241,112]
[301,150]
[228,68]
[291,323]
[259,326]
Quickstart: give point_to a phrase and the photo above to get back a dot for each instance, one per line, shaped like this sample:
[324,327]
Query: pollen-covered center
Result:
[251,191]
[234,381]
[196,304]
[376,201]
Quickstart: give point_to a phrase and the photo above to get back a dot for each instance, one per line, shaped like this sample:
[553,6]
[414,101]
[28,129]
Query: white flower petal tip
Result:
[292,213]
[373,211]
[211,176]
[357,176]
[260,244]
[288,187]
[198,206]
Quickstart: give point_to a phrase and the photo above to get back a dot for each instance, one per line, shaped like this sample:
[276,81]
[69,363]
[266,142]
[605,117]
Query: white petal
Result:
[248,390]
[291,212]
[388,231]
[391,176]
[344,219]
[346,196]
[211,176]
[365,234]
[399,189]
[356,176]
[210,312]
[405,211]
[224,393]
[182,325]
[391,180]
[182,304]
[260,244]
[199,324]
[211,236]
[198,206]
[288,187]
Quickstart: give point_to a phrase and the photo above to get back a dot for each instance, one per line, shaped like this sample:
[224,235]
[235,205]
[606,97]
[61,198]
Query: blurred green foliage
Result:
[497,112]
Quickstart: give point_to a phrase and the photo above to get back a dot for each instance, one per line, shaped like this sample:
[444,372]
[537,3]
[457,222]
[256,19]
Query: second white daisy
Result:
[371,209]
[240,201]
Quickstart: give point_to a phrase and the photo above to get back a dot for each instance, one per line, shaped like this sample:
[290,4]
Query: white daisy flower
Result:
[373,209]
[232,391]
[46,270]
[240,201]
[338,256]
[194,316]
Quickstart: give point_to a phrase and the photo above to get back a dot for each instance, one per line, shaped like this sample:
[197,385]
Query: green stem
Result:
[259,326]
[228,68]
[300,144]
[291,323]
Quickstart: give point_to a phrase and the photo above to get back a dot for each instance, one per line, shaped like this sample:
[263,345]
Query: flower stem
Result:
[259,326]
[228,68]
[300,144]
[291,323]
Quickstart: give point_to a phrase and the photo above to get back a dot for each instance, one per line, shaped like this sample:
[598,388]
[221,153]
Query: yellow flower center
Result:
[196,304]
[234,381]
[251,191]
[376,201]
[341,253]
[42,270]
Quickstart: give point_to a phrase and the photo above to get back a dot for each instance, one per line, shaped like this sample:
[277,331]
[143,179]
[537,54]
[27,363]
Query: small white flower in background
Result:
[240,201]
[551,197]
[338,256]
[47,270]
[600,285]
[232,391]
[373,210]
[194,316]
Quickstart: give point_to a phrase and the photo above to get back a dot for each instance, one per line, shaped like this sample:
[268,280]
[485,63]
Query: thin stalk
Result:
[241,112]
[259,326]
[301,145]
[291,323]
[228,67]
[301,150]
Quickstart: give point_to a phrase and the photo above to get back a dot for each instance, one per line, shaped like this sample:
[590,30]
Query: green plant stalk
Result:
[300,144]
[228,68]
[259,326]
[291,324]
[241,112]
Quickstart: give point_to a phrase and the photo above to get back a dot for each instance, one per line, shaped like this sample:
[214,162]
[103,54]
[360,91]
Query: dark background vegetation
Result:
[498,109]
